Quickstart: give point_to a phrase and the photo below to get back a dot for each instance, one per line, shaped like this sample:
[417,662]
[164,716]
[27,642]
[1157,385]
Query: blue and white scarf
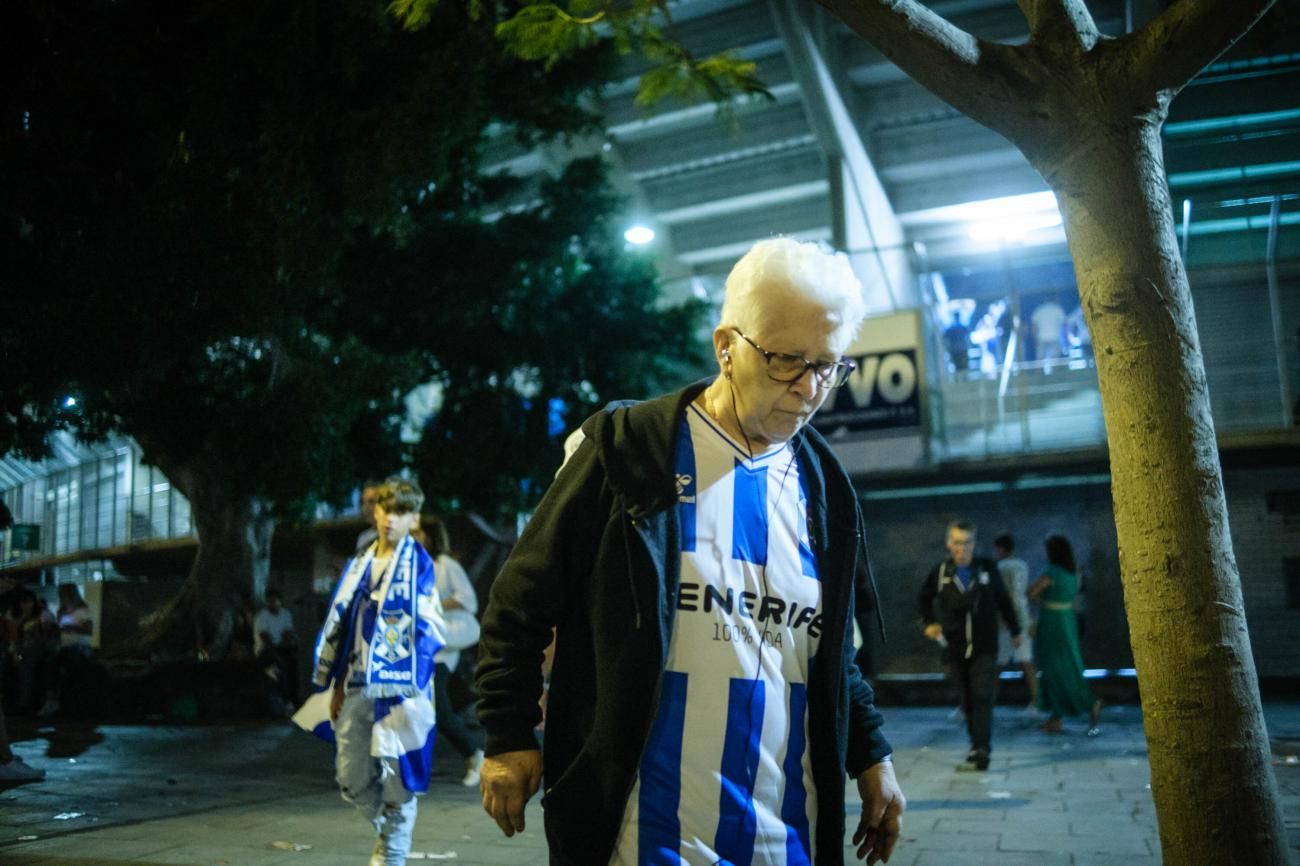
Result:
[399,659]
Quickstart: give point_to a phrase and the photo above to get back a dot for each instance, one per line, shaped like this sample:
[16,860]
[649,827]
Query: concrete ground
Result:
[262,795]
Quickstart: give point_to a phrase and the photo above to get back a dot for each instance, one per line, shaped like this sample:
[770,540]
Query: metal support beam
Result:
[1139,12]
[1275,311]
[863,219]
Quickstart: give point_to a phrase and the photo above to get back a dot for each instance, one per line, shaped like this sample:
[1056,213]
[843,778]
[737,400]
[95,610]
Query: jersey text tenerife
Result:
[726,776]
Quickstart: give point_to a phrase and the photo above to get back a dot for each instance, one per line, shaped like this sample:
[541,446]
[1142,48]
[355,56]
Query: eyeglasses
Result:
[790,368]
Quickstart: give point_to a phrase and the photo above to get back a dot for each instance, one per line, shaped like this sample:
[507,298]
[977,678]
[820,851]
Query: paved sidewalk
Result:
[262,795]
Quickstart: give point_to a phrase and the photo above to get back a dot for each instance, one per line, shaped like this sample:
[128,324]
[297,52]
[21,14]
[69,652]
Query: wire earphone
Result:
[751,775]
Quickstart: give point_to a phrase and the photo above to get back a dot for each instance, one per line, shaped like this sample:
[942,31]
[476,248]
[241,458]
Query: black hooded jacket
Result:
[970,618]
[599,562]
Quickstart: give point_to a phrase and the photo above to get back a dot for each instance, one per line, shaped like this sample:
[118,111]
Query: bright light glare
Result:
[1012,228]
[69,402]
[1008,219]
[639,235]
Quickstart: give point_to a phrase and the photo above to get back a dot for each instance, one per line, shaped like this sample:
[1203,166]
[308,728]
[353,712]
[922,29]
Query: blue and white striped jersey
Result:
[726,776]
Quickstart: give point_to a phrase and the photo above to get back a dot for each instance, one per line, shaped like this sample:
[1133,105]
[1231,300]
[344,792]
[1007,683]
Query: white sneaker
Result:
[473,764]
[958,716]
[18,770]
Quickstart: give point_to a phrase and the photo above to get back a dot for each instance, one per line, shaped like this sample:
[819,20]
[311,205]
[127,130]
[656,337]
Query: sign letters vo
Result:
[882,394]
[893,376]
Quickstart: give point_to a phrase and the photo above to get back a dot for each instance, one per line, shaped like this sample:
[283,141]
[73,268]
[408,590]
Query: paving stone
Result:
[1105,825]
[965,842]
[994,858]
[1045,802]
[1115,860]
[1039,839]
[990,825]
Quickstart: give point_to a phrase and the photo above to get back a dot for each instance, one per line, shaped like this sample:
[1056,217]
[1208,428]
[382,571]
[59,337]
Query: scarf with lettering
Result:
[399,659]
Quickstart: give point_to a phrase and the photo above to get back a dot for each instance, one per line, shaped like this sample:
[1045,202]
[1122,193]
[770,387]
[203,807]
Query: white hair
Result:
[808,269]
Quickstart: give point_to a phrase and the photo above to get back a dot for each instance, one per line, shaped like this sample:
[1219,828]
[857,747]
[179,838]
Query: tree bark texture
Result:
[1211,775]
[1086,110]
[230,568]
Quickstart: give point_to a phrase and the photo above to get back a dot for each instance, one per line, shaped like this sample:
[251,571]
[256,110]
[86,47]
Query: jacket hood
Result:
[636,447]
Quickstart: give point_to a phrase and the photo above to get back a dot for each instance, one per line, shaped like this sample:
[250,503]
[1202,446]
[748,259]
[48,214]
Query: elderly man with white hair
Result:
[695,557]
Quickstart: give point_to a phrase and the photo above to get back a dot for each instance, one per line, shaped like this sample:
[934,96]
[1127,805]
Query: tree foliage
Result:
[550,33]
[240,232]
[572,323]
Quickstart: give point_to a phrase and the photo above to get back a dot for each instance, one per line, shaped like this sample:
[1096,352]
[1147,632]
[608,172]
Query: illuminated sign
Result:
[883,393]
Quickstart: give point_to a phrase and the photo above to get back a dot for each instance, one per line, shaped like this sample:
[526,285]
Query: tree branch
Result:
[1172,48]
[1060,19]
[968,73]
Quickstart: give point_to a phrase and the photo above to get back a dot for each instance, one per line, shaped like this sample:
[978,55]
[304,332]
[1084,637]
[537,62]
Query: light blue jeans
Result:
[373,785]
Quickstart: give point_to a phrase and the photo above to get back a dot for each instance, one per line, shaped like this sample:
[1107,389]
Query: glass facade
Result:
[107,499]
[1011,367]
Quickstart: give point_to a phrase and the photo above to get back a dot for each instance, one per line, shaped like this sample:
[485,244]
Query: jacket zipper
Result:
[638,522]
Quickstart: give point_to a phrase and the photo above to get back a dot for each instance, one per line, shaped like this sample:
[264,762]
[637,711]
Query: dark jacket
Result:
[970,618]
[599,562]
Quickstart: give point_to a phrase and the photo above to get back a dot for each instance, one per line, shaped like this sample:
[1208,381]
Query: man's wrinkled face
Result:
[772,412]
[961,545]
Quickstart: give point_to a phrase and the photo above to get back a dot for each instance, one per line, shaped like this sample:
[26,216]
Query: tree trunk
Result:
[1211,775]
[230,569]
[1086,110]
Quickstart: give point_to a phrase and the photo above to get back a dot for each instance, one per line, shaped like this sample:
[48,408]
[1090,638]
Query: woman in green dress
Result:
[1062,690]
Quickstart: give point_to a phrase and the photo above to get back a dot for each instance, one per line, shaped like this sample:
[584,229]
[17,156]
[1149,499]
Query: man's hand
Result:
[336,703]
[507,781]
[882,813]
[1017,640]
[934,631]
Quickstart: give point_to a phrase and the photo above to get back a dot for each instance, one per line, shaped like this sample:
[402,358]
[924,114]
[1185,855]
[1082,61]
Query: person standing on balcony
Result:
[956,342]
[1048,324]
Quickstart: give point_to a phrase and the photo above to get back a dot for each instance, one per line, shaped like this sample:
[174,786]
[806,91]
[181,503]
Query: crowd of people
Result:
[979,610]
[1046,336]
[41,655]
[42,651]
